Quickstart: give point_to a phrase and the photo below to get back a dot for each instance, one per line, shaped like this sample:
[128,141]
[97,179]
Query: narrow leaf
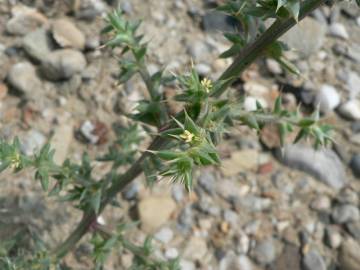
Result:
[277,105]
[293,6]
[282,133]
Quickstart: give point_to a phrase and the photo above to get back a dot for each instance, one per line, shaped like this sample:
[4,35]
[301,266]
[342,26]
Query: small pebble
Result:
[164,235]
[338,30]
[345,213]
[314,261]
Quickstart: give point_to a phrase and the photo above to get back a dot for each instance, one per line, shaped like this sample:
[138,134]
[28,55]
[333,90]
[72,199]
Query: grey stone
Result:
[349,9]
[353,53]
[320,16]
[345,213]
[313,261]
[231,217]
[252,227]
[353,84]
[22,76]
[177,192]
[171,253]
[24,20]
[349,255]
[91,72]
[354,229]
[187,265]
[90,9]
[322,164]
[321,203]
[207,206]
[234,262]
[264,251]
[218,21]
[307,37]
[207,182]
[87,129]
[196,248]
[355,164]
[334,15]
[338,30]
[332,237]
[273,66]
[350,109]
[355,127]
[327,98]
[347,196]
[252,203]
[198,50]
[289,259]
[32,142]
[203,69]
[38,44]
[164,235]
[185,219]
[242,243]
[68,87]
[127,7]
[61,141]
[63,64]
[131,191]
[92,43]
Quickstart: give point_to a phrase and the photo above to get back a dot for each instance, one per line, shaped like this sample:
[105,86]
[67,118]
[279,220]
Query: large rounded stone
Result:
[63,64]
[67,34]
[22,76]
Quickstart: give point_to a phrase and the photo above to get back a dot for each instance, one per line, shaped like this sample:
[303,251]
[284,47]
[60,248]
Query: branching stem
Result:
[243,60]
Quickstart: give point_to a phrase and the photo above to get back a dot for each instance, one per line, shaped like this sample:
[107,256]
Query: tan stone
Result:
[240,161]
[67,35]
[155,211]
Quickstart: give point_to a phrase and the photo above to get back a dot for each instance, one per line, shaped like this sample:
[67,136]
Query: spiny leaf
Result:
[95,201]
[282,133]
[139,52]
[277,105]
[302,134]
[251,121]
[234,50]
[293,6]
[280,3]
[289,66]
[167,154]
[190,125]
[306,122]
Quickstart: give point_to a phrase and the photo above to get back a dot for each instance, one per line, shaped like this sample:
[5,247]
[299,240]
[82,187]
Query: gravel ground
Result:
[262,209]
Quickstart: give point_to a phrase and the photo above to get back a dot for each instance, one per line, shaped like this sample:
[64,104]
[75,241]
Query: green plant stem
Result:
[89,217]
[81,229]
[245,58]
[248,54]
[145,75]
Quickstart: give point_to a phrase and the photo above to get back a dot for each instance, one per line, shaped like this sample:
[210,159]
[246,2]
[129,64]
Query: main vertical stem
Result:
[254,50]
[245,58]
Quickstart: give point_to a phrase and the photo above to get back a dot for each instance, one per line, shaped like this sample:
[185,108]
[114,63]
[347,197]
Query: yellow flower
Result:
[15,162]
[187,136]
[207,84]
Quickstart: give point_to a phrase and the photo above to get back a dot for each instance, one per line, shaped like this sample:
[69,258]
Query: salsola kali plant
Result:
[180,143]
